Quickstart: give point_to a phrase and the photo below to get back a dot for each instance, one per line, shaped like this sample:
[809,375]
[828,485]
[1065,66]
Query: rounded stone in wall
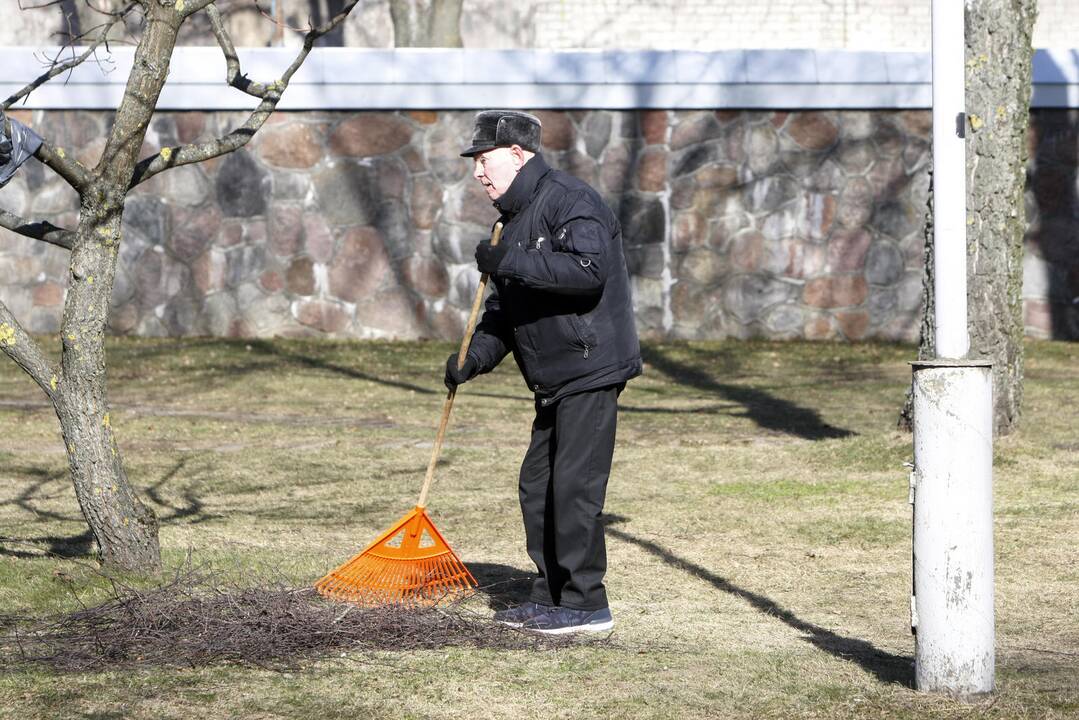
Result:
[244,264]
[835,291]
[158,278]
[815,131]
[693,158]
[348,193]
[886,137]
[693,128]
[426,201]
[290,145]
[701,266]
[186,185]
[847,250]
[557,133]
[397,233]
[856,156]
[300,276]
[208,271]
[242,185]
[596,132]
[193,231]
[443,144]
[54,197]
[746,297]
[327,317]
[463,286]
[895,219]
[123,287]
[219,314]
[426,275]
[819,326]
[855,206]
[455,243]
[616,170]
[15,197]
[264,314]
[466,202]
[652,171]
[769,193]
[645,260]
[883,263]
[290,185]
[882,304]
[182,315]
[393,313]
[785,321]
[762,149]
[643,219]
[909,292]
[360,266]
[370,133]
[123,318]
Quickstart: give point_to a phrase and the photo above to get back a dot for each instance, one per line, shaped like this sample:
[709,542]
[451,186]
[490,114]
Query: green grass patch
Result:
[759,547]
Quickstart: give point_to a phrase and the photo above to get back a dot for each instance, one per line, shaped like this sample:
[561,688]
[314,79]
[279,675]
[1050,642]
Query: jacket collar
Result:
[523,188]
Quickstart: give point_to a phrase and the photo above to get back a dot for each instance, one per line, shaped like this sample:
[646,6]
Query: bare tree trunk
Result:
[426,23]
[998,83]
[124,529]
[999,57]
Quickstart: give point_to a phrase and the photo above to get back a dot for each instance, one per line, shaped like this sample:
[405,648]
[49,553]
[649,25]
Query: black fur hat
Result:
[502,128]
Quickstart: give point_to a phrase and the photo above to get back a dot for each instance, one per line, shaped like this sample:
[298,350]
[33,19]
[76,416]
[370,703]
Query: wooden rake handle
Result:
[496,235]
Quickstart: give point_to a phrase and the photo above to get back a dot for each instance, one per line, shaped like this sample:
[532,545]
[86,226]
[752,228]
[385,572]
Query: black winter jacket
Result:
[561,300]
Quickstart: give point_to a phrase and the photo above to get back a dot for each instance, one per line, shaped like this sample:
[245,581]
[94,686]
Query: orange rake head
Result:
[409,563]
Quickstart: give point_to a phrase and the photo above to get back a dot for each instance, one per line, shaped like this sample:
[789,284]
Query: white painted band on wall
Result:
[424,78]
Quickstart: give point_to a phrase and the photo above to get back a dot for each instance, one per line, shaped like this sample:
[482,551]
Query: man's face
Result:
[496,169]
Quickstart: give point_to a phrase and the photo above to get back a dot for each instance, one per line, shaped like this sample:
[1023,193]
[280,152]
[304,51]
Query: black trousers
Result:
[563,486]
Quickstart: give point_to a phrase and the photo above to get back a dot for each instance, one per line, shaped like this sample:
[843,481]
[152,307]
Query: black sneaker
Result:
[561,620]
[514,616]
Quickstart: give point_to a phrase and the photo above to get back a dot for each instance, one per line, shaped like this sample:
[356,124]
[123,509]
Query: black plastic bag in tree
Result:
[17,144]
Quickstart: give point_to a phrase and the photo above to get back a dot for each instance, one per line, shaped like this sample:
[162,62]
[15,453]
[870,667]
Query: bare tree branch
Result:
[58,68]
[62,164]
[192,8]
[27,354]
[270,93]
[44,230]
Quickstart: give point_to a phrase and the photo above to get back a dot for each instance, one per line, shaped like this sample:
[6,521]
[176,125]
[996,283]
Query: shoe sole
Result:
[591,627]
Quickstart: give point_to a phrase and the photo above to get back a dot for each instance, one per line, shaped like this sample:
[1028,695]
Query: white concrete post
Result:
[951,486]
[952,491]
[949,180]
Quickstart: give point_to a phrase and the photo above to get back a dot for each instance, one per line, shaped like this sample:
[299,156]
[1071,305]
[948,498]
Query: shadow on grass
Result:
[503,585]
[886,666]
[275,349]
[81,544]
[766,410]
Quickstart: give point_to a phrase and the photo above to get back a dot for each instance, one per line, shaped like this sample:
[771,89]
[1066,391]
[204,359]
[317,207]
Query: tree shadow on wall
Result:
[1054,237]
[885,666]
[766,410]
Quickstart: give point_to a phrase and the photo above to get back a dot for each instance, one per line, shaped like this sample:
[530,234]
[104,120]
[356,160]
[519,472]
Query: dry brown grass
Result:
[759,539]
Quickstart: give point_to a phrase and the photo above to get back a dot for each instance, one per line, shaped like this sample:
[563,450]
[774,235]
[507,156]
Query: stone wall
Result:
[736,223]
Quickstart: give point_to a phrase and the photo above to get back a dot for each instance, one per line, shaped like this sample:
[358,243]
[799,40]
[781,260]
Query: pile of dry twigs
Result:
[198,618]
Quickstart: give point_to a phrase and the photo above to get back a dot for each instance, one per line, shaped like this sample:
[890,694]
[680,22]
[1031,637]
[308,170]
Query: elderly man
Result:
[561,304]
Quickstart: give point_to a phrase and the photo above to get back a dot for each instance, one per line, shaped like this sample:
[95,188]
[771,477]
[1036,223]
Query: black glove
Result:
[489,257]
[455,377]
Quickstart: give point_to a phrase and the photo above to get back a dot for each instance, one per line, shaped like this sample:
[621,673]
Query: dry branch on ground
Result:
[197,619]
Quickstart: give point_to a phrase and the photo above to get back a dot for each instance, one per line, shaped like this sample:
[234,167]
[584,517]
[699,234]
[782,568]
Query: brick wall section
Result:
[736,224]
[694,24]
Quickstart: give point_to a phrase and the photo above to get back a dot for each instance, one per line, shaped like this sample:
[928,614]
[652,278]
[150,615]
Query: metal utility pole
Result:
[952,481]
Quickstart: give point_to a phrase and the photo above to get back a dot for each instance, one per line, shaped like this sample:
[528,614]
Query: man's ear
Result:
[518,153]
